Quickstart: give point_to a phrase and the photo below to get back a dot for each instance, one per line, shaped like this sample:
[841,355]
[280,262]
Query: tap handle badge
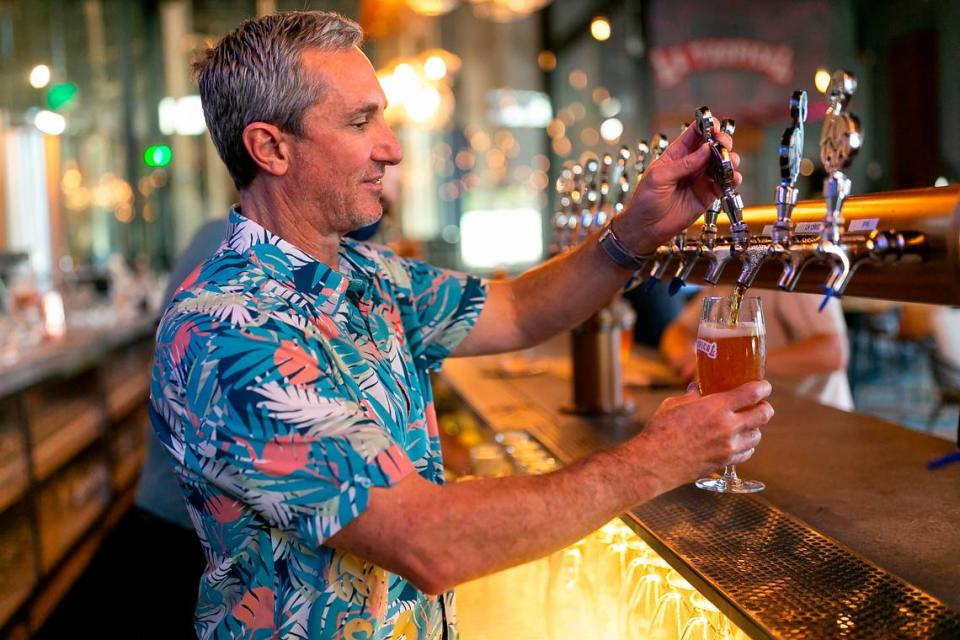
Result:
[791,144]
[841,136]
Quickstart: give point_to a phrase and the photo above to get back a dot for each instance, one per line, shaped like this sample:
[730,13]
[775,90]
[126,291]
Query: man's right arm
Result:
[440,536]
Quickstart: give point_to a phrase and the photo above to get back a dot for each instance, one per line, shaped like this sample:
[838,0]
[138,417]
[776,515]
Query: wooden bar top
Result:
[857,479]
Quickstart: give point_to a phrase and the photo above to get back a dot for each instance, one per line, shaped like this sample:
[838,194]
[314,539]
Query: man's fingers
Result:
[748,439]
[747,394]
[685,143]
[689,164]
[755,416]
[741,457]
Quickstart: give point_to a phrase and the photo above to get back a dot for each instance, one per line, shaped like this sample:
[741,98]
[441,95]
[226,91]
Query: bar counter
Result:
[853,537]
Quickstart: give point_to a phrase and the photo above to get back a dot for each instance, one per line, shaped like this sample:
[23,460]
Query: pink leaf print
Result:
[224,509]
[433,430]
[394,463]
[327,329]
[255,609]
[181,341]
[190,280]
[295,364]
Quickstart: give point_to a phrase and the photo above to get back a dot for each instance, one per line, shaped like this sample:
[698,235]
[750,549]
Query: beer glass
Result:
[731,350]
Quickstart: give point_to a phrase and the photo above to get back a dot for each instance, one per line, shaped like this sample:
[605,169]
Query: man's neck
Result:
[279,214]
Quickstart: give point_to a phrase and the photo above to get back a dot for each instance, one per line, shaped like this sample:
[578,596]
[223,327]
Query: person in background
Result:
[807,347]
[291,382]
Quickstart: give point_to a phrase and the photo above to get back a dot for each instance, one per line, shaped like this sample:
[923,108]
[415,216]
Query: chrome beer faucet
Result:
[781,240]
[561,218]
[665,253]
[840,140]
[589,197]
[604,210]
[722,171]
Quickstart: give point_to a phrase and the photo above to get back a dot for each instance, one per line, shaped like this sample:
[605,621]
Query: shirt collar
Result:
[295,268]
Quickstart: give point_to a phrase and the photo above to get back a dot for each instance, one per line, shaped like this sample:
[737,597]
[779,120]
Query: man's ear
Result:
[268,147]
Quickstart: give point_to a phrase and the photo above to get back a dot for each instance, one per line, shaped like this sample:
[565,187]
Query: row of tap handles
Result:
[594,190]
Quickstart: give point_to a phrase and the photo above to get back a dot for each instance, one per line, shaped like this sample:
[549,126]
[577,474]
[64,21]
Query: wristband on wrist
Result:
[617,252]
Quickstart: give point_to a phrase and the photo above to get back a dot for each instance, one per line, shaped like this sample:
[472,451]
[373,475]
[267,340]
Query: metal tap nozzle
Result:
[664,253]
[781,236]
[723,172]
[561,217]
[840,140]
[603,210]
[622,189]
[589,197]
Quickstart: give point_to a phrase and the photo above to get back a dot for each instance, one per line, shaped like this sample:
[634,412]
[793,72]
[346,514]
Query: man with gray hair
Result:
[291,385]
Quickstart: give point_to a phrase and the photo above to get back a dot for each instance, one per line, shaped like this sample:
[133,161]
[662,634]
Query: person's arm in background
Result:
[677,341]
[825,350]
[818,341]
[676,345]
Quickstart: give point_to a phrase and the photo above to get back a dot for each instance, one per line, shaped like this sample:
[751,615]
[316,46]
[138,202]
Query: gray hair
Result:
[254,75]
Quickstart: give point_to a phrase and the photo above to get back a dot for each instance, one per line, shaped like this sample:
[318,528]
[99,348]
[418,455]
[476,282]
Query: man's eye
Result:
[361,124]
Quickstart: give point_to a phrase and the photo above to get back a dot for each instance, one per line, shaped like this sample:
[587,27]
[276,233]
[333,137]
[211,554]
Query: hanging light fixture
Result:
[432,7]
[506,10]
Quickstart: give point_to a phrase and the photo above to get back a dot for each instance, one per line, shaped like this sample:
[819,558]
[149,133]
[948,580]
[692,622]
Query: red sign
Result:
[671,64]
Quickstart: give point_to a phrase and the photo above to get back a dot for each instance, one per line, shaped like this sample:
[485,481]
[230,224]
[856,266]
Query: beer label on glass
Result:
[707,348]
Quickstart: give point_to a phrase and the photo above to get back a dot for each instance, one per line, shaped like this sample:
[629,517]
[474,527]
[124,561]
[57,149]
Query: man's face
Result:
[339,162]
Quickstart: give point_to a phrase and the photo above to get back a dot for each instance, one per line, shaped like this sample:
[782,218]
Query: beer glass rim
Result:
[730,295]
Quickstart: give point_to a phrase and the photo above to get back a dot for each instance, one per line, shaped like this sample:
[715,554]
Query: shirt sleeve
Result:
[801,318]
[440,307]
[262,418]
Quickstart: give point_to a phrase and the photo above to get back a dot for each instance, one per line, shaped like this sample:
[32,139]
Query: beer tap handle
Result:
[840,139]
[603,201]
[723,174]
[622,189]
[564,186]
[590,196]
[791,154]
[640,165]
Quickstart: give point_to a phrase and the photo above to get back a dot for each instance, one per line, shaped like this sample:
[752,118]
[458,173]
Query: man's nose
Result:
[388,148]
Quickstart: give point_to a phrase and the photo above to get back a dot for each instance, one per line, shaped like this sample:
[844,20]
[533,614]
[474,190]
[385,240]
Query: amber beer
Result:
[728,356]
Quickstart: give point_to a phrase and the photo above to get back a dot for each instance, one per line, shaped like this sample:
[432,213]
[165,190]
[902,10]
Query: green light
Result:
[157,155]
[60,95]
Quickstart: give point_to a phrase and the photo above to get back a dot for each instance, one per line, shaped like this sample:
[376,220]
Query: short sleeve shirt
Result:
[284,390]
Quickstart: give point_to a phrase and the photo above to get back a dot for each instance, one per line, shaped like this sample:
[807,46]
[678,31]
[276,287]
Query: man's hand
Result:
[674,192]
[693,435]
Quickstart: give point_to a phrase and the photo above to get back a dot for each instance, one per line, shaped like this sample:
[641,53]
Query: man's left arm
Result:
[564,291]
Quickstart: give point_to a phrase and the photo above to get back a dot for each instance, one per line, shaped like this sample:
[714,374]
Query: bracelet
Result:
[617,252]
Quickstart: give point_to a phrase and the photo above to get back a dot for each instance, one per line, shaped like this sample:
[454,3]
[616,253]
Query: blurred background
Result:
[107,173]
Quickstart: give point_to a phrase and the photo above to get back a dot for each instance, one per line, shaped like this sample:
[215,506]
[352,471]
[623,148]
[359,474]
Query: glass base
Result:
[725,486]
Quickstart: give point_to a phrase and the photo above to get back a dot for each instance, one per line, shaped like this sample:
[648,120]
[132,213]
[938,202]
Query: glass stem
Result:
[730,475]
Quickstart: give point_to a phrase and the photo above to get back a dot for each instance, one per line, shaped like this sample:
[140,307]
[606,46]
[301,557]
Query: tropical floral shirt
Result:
[285,390]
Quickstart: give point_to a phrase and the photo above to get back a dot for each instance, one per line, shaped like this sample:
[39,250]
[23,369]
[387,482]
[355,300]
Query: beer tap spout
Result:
[754,257]
[718,258]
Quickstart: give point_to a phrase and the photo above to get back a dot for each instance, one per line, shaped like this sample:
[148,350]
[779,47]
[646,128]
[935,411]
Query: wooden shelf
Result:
[83,424]
[126,471]
[19,573]
[69,506]
[13,481]
[60,582]
[124,398]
